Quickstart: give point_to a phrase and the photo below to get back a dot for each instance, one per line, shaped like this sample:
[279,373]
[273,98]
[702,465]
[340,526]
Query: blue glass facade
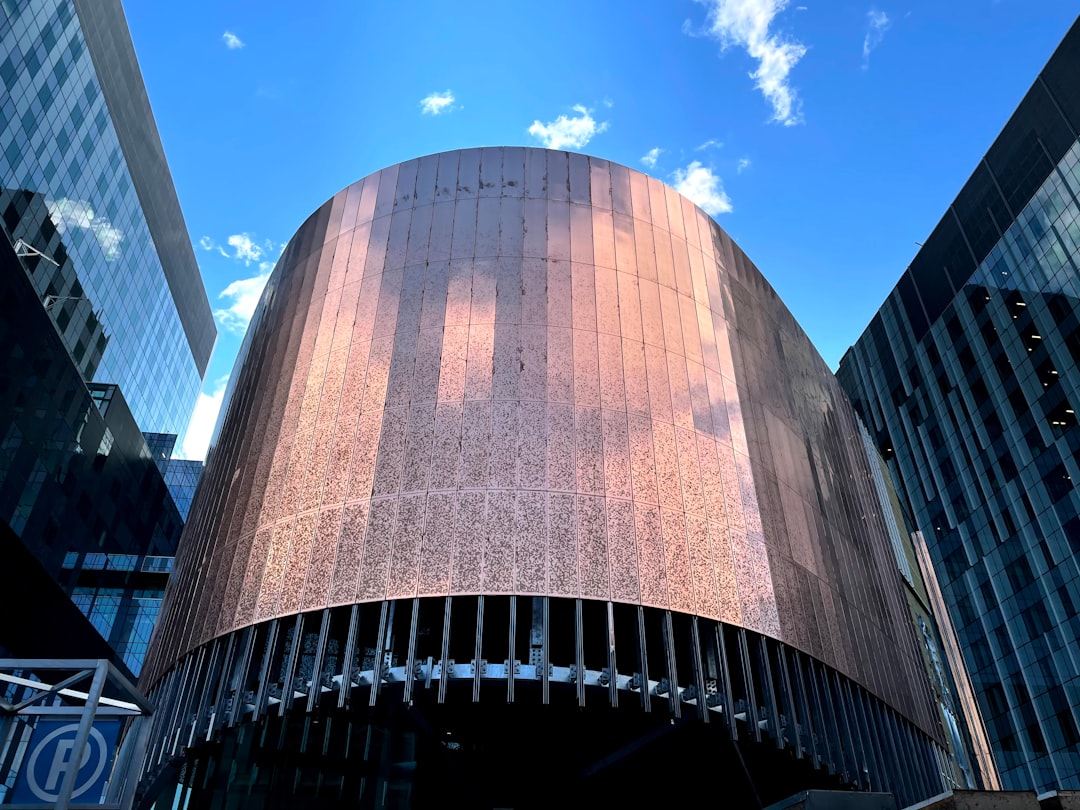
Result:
[969,376]
[121,595]
[61,147]
[182,477]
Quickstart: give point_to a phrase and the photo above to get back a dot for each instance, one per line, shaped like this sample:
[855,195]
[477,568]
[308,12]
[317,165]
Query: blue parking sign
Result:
[50,756]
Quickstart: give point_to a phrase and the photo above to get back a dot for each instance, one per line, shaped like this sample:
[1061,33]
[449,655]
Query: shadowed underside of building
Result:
[528,488]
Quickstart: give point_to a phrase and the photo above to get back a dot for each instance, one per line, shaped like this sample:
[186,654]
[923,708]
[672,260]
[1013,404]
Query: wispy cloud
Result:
[567,132]
[245,248]
[744,164]
[438,103]
[650,157]
[201,427]
[746,24]
[67,214]
[241,297]
[232,41]
[712,143]
[703,188]
[877,23]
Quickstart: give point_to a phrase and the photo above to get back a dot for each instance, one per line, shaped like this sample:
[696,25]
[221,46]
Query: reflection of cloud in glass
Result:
[67,213]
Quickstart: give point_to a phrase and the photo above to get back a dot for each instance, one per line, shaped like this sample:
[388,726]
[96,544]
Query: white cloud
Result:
[67,214]
[650,157]
[877,23]
[232,41]
[201,427]
[242,296]
[712,143]
[247,250]
[744,164]
[566,132]
[746,24]
[244,248]
[438,103]
[703,188]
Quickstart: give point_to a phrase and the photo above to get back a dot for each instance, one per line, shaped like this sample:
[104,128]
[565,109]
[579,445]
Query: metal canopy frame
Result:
[64,698]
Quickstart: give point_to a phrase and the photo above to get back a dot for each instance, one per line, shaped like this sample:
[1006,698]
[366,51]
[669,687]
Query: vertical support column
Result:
[192,664]
[672,671]
[206,692]
[510,659]
[444,663]
[315,687]
[239,676]
[380,652]
[347,657]
[546,645]
[227,663]
[287,690]
[613,672]
[791,700]
[725,681]
[769,685]
[643,658]
[752,719]
[477,650]
[82,736]
[264,669]
[410,658]
[135,763]
[579,653]
[699,671]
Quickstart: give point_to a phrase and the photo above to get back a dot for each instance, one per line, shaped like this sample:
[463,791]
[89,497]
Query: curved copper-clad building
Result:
[513,429]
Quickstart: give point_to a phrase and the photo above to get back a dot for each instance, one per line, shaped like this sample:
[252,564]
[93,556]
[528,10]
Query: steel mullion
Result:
[725,681]
[264,669]
[445,662]
[290,668]
[380,653]
[410,657]
[345,691]
[699,670]
[643,656]
[512,651]
[579,653]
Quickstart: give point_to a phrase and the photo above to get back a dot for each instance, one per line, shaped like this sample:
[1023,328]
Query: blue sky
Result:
[827,138]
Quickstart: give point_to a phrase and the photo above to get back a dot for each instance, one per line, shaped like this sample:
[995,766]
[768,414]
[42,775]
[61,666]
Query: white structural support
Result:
[41,690]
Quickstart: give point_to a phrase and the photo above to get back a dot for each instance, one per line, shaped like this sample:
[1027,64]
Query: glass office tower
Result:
[969,378]
[84,184]
[529,492]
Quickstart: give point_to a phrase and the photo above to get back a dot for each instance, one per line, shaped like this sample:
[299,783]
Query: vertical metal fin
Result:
[546,647]
[725,681]
[444,663]
[673,676]
[748,681]
[510,658]
[699,671]
[347,657]
[261,696]
[613,672]
[315,687]
[643,657]
[410,657]
[477,650]
[380,651]
[287,690]
[579,653]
